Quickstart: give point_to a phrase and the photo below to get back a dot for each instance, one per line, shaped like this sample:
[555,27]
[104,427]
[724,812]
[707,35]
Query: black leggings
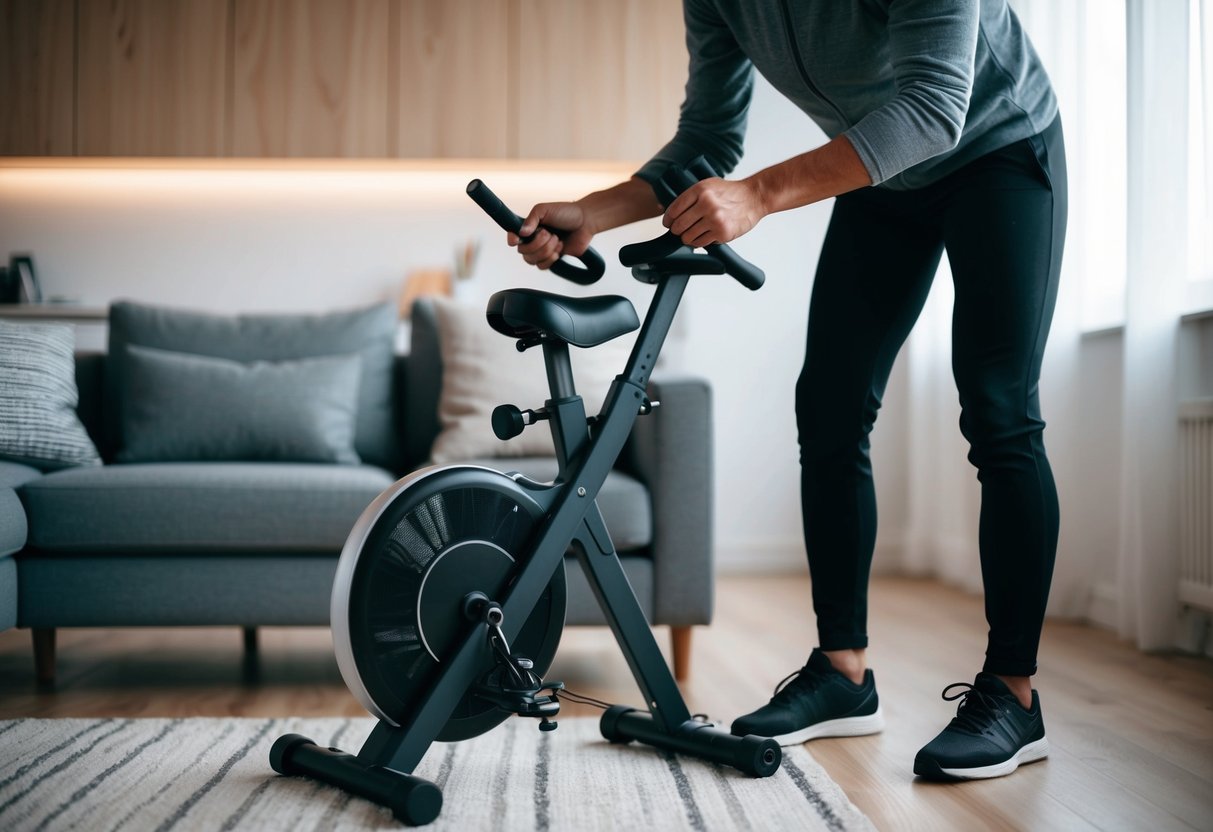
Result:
[1002,220]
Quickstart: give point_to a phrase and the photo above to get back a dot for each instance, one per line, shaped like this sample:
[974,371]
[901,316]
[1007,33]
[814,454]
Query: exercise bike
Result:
[449,596]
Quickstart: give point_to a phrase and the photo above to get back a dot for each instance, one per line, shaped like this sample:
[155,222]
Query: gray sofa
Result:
[255,544]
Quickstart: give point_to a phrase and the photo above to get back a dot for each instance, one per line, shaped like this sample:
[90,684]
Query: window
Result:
[1084,47]
[1102,158]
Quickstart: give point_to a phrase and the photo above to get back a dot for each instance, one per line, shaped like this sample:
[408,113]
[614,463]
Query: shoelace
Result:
[807,681]
[977,710]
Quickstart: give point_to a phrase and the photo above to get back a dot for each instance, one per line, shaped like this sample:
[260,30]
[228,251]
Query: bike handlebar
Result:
[592,265]
[673,182]
[677,179]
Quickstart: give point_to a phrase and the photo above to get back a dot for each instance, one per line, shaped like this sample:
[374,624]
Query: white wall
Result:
[275,239]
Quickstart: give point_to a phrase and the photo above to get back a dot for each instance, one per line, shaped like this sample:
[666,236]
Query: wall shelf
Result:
[53,312]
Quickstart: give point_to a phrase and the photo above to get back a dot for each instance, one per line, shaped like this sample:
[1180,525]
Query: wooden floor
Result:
[1131,734]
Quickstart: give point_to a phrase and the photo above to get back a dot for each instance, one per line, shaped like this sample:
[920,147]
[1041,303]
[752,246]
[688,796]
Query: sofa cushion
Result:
[369,332]
[200,507]
[184,407]
[624,501]
[38,397]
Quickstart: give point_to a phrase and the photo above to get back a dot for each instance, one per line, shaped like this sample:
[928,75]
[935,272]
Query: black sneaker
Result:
[991,735]
[816,701]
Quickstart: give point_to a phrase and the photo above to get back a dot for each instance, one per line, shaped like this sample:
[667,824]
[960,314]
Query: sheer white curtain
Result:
[1158,38]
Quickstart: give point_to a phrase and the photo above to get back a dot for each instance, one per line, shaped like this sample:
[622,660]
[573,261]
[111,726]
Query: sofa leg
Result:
[682,652]
[250,641]
[44,654]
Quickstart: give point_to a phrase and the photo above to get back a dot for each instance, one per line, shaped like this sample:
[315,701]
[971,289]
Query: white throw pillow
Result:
[481,369]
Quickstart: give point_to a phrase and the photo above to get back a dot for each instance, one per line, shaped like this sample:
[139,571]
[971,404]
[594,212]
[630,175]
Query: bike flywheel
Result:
[411,560]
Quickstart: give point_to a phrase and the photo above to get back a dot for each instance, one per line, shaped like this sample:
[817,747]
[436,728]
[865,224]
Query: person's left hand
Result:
[714,211]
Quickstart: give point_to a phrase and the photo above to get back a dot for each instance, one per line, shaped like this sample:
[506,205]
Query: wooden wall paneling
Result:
[152,77]
[310,78]
[599,79]
[37,77]
[451,75]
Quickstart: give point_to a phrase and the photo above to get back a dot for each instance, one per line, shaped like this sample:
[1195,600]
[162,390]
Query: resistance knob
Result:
[509,421]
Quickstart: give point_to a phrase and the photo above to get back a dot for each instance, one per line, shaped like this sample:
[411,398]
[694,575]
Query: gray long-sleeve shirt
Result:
[919,87]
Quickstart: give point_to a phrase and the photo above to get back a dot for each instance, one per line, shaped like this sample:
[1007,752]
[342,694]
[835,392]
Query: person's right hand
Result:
[546,248]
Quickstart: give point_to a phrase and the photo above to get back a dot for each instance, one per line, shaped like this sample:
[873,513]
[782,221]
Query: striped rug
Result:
[214,774]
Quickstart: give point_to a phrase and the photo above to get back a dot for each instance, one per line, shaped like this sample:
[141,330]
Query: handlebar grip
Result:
[592,265]
[746,273]
[492,205]
[678,179]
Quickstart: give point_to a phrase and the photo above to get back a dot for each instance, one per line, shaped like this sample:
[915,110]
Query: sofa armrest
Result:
[670,451]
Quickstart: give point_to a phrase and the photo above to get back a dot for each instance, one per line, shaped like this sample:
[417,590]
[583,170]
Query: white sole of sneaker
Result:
[853,726]
[1030,753]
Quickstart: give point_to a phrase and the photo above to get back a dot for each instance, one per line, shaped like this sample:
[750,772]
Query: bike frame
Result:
[572,518]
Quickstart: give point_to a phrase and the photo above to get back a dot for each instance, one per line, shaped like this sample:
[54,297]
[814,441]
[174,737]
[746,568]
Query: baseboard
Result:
[767,557]
[762,557]
[1105,599]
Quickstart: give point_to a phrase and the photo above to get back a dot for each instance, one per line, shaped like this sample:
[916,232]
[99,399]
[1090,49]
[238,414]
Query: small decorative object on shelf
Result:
[441,282]
[465,259]
[465,267]
[423,283]
[28,290]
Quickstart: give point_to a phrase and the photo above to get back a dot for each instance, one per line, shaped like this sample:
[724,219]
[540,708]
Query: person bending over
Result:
[944,137]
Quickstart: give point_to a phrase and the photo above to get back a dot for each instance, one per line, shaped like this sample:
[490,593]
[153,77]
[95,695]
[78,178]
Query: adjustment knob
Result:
[508,421]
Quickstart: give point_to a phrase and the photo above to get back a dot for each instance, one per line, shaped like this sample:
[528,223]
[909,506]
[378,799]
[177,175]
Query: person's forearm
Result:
[832,169]
[621,204]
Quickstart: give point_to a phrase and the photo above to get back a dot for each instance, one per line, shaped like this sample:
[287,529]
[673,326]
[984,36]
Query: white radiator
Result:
[1196,503]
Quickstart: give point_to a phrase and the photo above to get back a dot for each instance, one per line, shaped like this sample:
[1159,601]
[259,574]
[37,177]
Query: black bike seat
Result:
[582,322]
